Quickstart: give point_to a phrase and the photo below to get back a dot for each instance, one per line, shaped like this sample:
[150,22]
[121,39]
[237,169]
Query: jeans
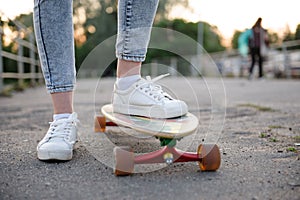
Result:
[54,36]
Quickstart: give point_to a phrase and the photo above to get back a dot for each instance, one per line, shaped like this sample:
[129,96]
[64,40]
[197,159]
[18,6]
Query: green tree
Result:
[235,37]
[288,36]
[100,22]
[21,26]
[95,21]
[273,37]
[297,34]
[211,42]
[26,20]
[211,37]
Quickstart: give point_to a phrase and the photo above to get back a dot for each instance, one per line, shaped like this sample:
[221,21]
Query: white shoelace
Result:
[153,89]
[61,128]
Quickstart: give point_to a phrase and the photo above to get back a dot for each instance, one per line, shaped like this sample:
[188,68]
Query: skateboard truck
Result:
[207,156]
[168,157]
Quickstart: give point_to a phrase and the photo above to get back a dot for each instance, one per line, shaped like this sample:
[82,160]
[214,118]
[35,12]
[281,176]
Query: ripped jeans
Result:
[54,33]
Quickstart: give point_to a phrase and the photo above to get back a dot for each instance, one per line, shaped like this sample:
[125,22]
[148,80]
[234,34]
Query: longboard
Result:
[168,131]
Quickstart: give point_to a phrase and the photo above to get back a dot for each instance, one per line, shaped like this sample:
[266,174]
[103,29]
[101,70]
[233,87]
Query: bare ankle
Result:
[128,68]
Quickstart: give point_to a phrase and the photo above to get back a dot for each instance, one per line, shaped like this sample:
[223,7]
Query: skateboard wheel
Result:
[100,124]
[124,158]
[210,157]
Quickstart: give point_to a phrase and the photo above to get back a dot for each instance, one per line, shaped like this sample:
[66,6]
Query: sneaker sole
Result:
[152,112]
[46,155]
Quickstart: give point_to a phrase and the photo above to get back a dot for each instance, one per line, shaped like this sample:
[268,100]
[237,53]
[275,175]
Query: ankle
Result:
[61,116]
[128,68]
[125,82]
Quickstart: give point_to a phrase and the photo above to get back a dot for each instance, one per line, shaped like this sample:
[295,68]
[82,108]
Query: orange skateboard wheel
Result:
[100,124]
[124,158]
[210,157]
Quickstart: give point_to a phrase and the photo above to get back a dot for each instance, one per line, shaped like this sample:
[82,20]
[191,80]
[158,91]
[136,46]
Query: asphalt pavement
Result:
[256,125]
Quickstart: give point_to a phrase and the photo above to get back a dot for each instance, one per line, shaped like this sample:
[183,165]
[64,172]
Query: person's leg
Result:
[128,72]
[252,62]
[135,19]
[134,27]
[260,63]
[62,102]
[132,94]
[128,68]
[54,36]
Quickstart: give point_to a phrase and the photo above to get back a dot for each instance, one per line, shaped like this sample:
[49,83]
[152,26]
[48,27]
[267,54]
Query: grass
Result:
[275,126]
[263,135]
[15,87]
[273,139]
[266,135]
[257,107]
[7,91]
[297,138]
[291,149]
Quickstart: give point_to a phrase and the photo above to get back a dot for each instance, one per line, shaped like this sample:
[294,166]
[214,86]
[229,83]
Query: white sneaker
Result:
[59,141]
[145,98]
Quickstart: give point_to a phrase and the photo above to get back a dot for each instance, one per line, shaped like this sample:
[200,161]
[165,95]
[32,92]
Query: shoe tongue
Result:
[143,81]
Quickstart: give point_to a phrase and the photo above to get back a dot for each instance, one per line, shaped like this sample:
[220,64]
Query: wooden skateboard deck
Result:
[165,128]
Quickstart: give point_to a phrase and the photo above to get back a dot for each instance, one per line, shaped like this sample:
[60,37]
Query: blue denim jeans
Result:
[54,36]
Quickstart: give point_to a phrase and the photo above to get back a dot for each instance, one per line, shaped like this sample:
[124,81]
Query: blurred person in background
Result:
[258,43]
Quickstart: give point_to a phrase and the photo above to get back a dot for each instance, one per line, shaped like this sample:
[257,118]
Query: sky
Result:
[231,15]
[228,16]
